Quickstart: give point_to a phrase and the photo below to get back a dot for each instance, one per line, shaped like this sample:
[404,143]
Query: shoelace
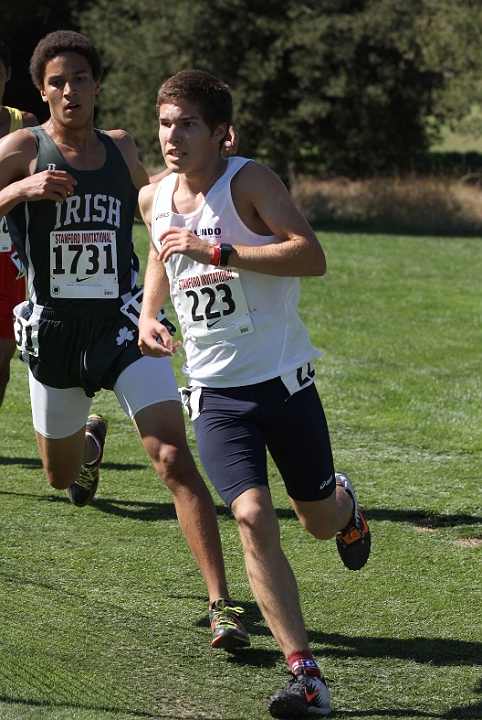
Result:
[299,683]
[86,478]
[225,615]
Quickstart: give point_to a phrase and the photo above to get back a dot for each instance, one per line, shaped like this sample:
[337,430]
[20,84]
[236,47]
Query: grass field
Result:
[103,614]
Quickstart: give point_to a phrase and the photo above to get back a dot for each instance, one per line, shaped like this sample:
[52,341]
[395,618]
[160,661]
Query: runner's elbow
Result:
[316,264]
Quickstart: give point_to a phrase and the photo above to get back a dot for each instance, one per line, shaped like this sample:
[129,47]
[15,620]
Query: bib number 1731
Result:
[83,264]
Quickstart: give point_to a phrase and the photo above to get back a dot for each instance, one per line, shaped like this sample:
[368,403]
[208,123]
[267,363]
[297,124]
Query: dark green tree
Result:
[352,85]
[23,24]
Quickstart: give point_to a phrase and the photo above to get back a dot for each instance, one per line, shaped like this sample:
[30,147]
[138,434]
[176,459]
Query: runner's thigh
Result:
[297,437]
[231,446]
[145,382]
[58,413]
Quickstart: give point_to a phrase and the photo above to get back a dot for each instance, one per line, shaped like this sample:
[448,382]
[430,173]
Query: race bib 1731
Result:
[83,264]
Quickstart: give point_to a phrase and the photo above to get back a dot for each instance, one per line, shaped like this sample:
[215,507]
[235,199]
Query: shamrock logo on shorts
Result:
[125,335]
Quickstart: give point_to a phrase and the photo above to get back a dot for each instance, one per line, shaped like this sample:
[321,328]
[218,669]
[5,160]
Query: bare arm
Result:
[154,339]
[265,206]
[129,151]
[18,183]
[146,198]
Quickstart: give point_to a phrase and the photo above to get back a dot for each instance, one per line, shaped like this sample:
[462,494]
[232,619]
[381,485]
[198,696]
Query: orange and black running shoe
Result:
[354,541]
[228,630]
[304,697]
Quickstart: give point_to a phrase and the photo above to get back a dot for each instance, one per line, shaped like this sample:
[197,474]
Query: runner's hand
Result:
[155,339]
[231,143]
[183,241]
[54,185]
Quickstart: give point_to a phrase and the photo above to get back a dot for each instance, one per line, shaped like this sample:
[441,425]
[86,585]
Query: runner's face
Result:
[186,140]
[70,89]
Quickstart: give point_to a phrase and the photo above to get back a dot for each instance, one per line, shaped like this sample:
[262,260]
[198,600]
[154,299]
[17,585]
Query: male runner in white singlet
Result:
[70,192]
[229,244]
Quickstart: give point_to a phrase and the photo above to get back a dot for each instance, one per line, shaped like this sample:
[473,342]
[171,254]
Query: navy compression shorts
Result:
[236,425]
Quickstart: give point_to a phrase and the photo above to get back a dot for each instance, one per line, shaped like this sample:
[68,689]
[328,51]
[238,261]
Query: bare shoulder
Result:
[146,193]
[254,170]
[120,135]
[125,143]
[18,155]
[159,176]
[128,149]
[255,185]
[146,198]
[29,119]
[264,203]
[21,142]
[254,178]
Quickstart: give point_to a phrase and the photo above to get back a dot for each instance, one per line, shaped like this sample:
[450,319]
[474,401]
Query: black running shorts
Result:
[86,347]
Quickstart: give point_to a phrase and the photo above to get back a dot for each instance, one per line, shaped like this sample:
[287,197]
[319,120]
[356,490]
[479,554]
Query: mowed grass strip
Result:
[103,612]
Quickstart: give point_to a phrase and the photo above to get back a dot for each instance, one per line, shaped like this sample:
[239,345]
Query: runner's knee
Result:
[173,462]
[257,522]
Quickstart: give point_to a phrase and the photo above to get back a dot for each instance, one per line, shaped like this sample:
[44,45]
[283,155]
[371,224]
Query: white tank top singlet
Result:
[239,327]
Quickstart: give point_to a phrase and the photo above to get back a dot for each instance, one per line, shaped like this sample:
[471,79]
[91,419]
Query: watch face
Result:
[226,250]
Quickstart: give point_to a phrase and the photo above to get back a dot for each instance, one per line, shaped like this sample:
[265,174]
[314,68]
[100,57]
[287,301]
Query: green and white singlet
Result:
[81,270]
[79,252]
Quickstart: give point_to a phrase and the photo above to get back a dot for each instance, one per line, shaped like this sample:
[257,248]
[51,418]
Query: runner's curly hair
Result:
[58,43]
[210,94]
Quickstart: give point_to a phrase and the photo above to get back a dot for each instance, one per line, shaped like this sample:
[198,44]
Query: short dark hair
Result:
[58,43]
[211,95]
[5,54]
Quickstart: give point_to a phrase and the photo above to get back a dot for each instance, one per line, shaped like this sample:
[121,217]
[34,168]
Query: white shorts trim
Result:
[58,413]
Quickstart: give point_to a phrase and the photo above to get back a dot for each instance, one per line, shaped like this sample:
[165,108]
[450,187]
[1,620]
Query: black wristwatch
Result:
[226,250]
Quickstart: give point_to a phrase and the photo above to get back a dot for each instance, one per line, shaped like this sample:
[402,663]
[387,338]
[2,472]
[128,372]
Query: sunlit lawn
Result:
[103,612]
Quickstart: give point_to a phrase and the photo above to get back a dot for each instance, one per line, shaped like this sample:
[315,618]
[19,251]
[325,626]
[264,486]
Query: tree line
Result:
[354,86]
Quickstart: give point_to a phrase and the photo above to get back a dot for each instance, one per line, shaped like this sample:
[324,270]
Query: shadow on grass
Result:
[438,652]
[115,711]
[465,712]
[145,511]
[130,509]
[37,463]
[135,509]
[152,511]
[22,462]
[461,712]
[435,651]
[424,518]
[419,516]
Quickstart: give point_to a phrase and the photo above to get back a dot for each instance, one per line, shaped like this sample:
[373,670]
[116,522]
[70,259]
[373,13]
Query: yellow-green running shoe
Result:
[84,488]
